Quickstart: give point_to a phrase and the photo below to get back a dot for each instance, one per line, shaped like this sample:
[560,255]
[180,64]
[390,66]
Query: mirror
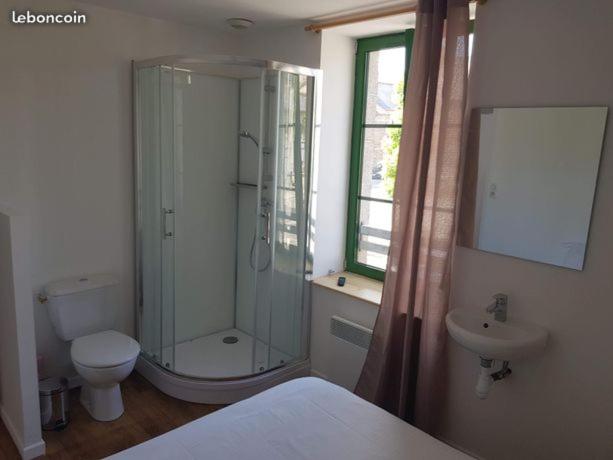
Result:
[529,182]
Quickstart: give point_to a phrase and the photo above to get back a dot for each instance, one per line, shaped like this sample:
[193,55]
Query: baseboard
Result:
[33,450]
[8,423]
[27,452]
[74,381]
[315,373]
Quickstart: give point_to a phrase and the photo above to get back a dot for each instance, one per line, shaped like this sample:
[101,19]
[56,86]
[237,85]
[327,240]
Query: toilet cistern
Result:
[499,307]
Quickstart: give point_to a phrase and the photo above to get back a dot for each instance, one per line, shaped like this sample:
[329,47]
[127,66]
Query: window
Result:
[381,70]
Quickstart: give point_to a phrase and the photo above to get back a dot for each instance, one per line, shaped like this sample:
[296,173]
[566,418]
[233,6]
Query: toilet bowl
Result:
[83,312]
[103,360]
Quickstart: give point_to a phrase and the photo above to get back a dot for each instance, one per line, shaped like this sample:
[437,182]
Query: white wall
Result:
[19,408]
[331,186]
[66,156]
[332,358]
[292,45]
[560,404]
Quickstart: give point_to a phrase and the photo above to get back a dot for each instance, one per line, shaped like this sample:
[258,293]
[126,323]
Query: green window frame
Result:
[364,47]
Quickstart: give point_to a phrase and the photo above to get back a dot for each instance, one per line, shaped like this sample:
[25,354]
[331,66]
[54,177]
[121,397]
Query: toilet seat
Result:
[104,349]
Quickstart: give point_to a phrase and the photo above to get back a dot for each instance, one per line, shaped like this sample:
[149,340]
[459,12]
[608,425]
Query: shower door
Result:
[223,161]
[280,316]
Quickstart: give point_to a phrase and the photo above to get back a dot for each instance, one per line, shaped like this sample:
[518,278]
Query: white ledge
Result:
[356,286]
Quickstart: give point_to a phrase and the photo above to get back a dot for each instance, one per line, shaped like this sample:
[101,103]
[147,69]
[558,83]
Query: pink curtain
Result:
[404,367]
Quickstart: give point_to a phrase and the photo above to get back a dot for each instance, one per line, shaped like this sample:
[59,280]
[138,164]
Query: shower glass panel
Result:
[157,179]
[149,215]
[293,127]
[223,187]
[167,197]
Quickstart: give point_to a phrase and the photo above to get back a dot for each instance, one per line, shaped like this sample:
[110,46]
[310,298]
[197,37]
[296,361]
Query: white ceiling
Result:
[265,13]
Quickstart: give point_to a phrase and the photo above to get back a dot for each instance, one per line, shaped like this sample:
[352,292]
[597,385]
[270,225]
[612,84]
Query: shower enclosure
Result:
[224,148]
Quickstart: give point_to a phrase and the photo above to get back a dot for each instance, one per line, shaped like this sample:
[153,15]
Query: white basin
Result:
[491,339]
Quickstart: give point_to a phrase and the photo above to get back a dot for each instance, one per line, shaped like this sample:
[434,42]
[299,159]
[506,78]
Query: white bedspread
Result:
[306,418]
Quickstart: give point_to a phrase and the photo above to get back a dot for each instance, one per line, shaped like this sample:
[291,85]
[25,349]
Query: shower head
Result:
[246,134]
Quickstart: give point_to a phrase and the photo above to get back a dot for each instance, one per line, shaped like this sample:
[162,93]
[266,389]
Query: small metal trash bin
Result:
[53,394]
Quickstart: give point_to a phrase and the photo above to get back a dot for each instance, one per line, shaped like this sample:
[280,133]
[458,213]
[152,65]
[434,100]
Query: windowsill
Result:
[356,286]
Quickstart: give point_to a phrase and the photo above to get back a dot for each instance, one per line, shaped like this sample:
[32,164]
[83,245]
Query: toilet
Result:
[83,311]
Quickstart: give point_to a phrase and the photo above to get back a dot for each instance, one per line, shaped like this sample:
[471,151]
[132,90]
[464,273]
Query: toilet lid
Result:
[104,349]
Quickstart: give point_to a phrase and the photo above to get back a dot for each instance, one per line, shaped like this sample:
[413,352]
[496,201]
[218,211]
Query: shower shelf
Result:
[245,185]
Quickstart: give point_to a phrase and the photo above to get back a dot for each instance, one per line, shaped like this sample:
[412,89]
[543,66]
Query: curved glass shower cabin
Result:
[223,174]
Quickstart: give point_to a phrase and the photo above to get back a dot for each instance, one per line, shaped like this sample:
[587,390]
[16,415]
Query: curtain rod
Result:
[367,16]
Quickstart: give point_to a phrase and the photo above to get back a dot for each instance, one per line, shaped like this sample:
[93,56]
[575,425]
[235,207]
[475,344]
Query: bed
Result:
[306,418]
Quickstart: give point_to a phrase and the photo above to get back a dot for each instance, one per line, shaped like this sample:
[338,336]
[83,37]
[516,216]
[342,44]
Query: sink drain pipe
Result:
[487,377]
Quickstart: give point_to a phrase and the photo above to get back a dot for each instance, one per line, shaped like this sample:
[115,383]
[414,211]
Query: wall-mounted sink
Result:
[491,339]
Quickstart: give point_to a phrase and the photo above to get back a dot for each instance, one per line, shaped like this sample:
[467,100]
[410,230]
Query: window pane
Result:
[384,86]
[379,159]
[374,233]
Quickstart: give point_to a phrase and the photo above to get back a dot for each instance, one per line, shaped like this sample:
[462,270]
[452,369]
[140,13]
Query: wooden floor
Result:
[148,414]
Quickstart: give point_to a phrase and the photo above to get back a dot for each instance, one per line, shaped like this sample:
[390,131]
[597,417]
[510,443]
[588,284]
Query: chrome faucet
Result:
[499,307]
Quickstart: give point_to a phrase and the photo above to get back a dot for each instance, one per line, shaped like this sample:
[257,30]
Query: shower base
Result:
[211,357]
[207,370]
